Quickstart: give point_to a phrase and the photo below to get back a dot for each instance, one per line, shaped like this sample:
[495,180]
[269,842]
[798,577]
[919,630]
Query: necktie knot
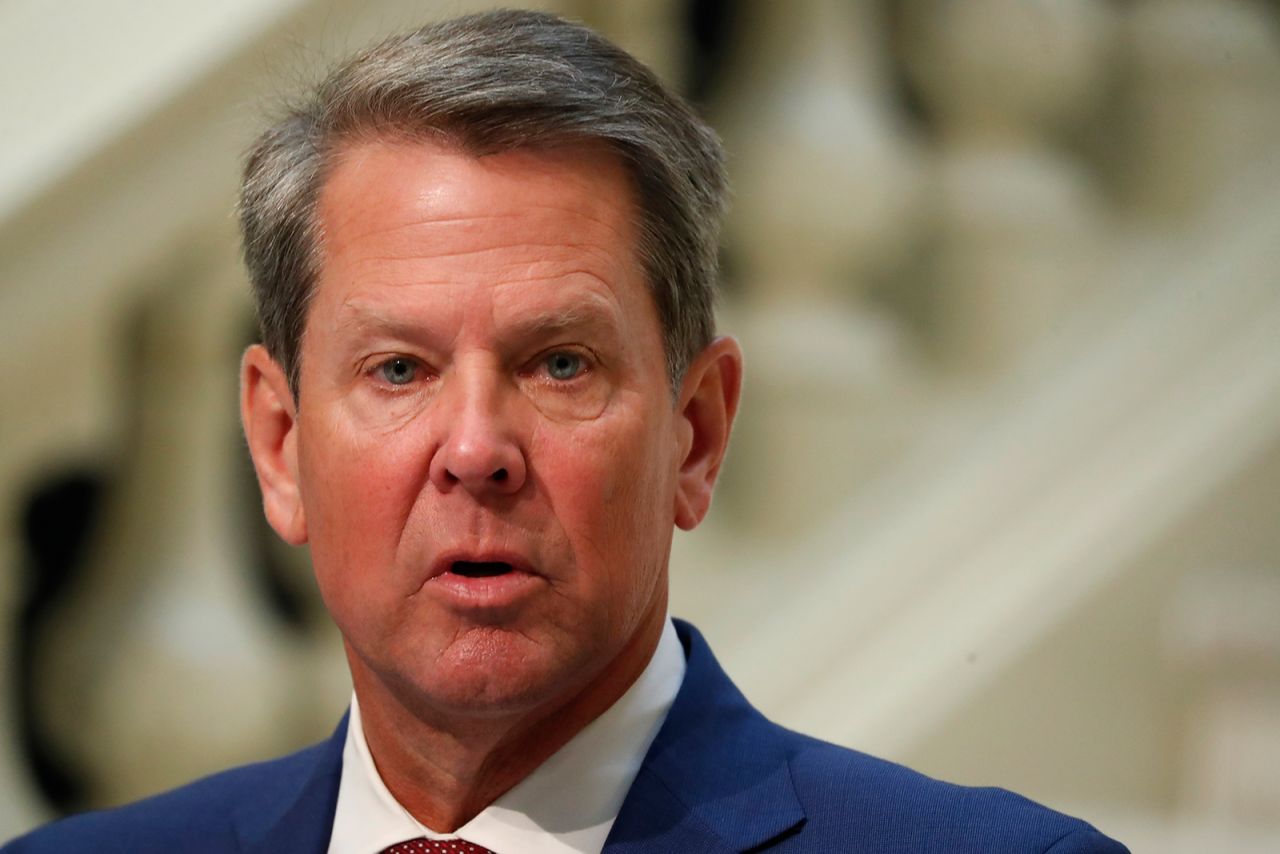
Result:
[436,846]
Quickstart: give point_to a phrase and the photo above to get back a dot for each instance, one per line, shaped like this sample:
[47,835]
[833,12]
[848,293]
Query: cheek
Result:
[357,496]
[611,488]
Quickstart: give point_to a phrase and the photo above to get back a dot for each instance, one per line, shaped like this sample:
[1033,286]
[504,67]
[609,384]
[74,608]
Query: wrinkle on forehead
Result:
[574,298]
[528,258]
[461,213]
[410,237]
[446,200]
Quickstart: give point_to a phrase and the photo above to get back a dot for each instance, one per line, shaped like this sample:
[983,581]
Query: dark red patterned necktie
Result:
[436,846]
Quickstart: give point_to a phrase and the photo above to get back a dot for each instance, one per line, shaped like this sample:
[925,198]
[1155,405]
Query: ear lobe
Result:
[269,417]
[708,403]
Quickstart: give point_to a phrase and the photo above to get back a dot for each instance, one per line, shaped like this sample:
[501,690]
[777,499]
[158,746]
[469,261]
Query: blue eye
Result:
[398,371]
[564,366]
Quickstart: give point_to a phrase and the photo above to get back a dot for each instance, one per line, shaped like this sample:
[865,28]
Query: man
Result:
[484,256]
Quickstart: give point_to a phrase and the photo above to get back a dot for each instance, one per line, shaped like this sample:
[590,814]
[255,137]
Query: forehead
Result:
[397,217]
[415,195]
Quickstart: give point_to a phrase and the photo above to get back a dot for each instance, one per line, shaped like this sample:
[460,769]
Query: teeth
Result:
[480,569]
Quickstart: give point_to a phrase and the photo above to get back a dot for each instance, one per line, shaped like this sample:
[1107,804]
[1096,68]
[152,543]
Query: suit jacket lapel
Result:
[294,812]
[716,778]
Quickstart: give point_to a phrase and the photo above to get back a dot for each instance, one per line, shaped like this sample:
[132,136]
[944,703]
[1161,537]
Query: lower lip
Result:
[492,591]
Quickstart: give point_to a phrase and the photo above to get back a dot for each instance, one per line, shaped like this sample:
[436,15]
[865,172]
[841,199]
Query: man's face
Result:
[487,450]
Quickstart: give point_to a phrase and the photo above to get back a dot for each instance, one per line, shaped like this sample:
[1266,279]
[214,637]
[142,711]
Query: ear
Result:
[270,426]
[708,401]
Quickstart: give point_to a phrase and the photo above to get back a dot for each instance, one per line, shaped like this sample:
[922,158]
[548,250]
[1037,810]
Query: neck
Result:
[445,769]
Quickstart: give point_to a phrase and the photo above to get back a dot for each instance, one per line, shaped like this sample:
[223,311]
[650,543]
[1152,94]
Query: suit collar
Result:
[294,812]
[716,777]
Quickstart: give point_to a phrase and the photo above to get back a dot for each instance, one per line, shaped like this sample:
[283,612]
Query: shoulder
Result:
[850,794]
[198,817]
[725,759]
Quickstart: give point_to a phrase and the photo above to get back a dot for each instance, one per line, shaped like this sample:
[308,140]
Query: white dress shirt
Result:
[568,804]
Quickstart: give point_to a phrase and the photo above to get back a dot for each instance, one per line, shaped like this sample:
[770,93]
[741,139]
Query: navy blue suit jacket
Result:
[719,778]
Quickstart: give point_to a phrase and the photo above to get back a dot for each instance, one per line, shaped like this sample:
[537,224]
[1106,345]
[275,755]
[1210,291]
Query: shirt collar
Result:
[568,804]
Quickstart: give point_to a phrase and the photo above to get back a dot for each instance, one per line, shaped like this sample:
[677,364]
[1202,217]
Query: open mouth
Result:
[480,569]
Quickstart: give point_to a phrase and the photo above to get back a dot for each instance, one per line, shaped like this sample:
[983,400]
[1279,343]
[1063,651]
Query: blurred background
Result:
[1004,503]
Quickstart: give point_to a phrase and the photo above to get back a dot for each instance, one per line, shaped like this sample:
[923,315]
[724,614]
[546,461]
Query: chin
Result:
[493,672]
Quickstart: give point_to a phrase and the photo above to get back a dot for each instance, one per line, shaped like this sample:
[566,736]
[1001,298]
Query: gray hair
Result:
[488,83]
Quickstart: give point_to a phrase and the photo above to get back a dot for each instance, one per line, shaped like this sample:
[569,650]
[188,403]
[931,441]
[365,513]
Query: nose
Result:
[479,451]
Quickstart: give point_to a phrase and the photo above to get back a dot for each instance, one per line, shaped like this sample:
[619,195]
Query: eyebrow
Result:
[540,323]
[581,315]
